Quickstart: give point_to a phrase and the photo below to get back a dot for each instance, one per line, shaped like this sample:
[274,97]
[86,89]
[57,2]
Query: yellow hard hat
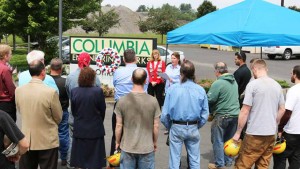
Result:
[279,146]
[114,159]
[231,148]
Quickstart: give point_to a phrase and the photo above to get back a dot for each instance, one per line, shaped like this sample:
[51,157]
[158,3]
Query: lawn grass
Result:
[19,59]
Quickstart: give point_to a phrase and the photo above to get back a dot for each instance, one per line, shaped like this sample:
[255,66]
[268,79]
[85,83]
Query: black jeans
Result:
[158,92]
[292,153]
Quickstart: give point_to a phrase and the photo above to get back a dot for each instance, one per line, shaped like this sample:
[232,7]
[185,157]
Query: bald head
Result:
[36,67]
[139,76]
[221,67]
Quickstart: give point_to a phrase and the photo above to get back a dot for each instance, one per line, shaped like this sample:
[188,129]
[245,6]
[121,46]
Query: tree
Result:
[39,18]
[142,8]
[101,22]
[294,8]
[185,7]
[205,8]
[161,20]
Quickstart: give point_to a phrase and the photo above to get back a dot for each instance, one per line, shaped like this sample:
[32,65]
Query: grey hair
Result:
[221,67]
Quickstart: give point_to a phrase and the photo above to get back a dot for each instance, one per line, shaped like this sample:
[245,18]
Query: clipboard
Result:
[164,76]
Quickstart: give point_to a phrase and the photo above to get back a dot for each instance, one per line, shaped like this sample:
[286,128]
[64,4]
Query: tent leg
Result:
[260,52]
[166,53]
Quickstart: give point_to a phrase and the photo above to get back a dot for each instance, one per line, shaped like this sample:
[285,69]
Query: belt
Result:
[225,116]
[185,122]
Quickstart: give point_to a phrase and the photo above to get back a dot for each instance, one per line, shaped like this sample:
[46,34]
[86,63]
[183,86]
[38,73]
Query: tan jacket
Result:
[41,113]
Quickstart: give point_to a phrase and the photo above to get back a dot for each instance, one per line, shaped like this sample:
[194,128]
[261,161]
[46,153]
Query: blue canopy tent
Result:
[249,23]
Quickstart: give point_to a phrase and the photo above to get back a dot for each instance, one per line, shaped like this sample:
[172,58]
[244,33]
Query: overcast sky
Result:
[134,4]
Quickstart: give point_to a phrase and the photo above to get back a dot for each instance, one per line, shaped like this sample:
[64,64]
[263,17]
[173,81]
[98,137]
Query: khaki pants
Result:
[255,150]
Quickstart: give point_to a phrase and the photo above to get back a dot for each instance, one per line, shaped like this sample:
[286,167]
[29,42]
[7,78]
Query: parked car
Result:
[163,52]
[56,38]
[286,52]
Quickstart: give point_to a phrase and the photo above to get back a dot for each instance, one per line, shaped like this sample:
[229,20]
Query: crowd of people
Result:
[245,108]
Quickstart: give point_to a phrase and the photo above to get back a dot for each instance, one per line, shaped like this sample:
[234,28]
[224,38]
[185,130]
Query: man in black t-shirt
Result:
[10,129]
[63,128]
[242,75]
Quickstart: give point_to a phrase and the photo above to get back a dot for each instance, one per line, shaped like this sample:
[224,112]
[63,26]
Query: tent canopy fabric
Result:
[249,23]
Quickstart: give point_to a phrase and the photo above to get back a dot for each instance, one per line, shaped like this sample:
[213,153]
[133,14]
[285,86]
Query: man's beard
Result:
[292,79]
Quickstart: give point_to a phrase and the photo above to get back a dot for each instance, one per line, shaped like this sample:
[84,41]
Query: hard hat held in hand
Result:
[114,159]
[279,146]
[231,148]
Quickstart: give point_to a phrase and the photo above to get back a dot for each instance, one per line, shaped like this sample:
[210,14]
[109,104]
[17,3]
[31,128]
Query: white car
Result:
[286,52]
[163,52]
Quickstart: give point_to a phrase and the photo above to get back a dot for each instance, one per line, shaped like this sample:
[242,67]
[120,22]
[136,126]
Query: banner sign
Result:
[93,45]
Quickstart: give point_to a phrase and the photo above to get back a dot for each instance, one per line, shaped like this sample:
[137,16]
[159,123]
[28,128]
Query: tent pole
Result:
[166,53]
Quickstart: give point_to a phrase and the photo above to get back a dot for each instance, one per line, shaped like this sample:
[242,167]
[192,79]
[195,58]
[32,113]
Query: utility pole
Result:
[282,2]
[60,28]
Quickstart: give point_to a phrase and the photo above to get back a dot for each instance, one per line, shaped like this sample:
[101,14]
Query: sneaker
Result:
[166,132]
[211,166]
[69,167]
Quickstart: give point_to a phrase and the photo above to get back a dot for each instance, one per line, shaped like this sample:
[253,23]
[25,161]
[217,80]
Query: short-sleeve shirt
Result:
[138,111]
[264,95]
[293,104]
[9,128]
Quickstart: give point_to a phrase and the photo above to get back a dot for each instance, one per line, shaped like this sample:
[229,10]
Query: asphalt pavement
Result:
[204,59]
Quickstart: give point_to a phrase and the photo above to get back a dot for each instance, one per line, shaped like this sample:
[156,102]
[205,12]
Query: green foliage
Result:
[142,8]
[205,8]
[51,50]
[185,7]
[161,20]
[188,16]
[205,83]
[19,59]
[295,8]
[283,83]
[101,22]
[39,18]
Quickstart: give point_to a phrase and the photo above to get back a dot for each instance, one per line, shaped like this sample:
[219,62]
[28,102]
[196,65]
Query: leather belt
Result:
[185,122]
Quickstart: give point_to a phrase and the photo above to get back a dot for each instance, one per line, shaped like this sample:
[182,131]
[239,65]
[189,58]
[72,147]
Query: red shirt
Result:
[154,69]
[7,87]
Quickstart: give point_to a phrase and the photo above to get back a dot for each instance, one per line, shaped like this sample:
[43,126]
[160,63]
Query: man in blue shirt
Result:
[25,76]
[123,85]
[184,112]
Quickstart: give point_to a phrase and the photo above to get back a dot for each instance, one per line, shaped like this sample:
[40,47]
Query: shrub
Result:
[205,83]
[283,83]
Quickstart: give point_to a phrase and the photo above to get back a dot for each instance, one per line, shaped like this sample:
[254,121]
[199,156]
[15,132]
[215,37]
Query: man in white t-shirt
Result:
[263,107]
[289,125]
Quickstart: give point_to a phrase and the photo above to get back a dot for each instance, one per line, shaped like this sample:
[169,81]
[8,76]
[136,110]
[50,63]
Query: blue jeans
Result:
[222,129]
[71,123]
[63,133]
[133,161]
[190,136]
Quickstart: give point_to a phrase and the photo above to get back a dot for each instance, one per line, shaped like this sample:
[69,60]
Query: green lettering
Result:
[144,48]
[97,49]
[76,50]
[121,47]
[130,45]
[85,47]
[136,46]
